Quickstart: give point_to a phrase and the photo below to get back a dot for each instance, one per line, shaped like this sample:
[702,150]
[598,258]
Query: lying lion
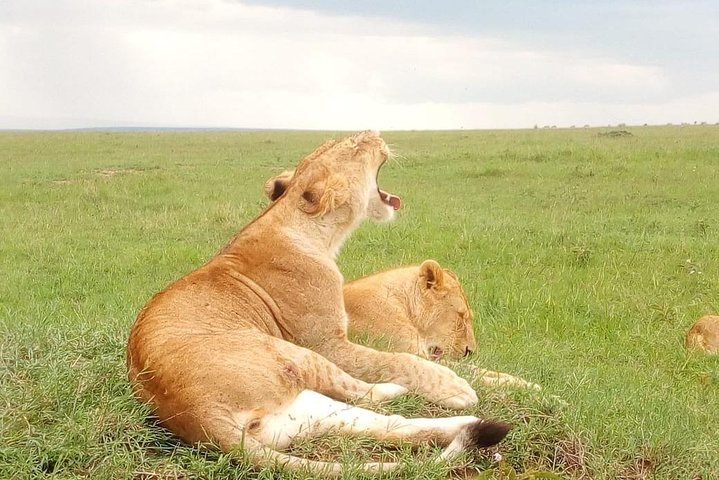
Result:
[429,315]
[419,309]
[704,335]
[250,350]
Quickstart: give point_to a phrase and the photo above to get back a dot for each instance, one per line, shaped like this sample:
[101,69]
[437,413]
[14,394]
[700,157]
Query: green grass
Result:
[586,257]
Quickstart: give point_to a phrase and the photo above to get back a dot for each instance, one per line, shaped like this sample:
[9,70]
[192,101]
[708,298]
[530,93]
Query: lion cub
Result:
[704,334]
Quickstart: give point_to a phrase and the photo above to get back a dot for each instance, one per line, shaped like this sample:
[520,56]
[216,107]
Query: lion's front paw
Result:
[532,386]
[444,387]
[498,379]
[463,397]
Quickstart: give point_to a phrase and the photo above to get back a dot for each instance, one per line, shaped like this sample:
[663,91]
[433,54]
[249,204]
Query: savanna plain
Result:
[586,254]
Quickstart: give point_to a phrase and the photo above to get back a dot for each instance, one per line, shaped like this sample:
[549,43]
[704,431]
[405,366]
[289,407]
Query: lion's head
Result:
[704,335]
[339,179]
[442,313]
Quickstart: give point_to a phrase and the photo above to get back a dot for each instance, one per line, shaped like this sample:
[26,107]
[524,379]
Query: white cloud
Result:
[220,63]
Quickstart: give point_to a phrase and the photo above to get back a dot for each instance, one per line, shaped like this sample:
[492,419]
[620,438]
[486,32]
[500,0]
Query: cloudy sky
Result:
[346,64]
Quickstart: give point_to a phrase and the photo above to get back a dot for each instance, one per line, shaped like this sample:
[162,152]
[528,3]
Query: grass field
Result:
[586,257]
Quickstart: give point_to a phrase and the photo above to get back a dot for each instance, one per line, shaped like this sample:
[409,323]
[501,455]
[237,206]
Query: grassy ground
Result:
[586,257]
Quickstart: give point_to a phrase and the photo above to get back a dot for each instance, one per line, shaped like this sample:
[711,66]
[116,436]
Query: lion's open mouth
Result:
[392,200]
[387,198]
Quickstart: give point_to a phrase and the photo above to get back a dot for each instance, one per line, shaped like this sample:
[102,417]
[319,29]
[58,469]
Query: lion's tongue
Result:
[392,200]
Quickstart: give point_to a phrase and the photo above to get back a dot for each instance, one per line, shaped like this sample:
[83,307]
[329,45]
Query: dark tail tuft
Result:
[485,433]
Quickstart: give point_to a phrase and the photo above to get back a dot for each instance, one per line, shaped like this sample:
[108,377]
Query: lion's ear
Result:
[431,275]
[323,196]
[276,186]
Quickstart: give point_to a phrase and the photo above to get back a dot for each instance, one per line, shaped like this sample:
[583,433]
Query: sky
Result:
[350,65]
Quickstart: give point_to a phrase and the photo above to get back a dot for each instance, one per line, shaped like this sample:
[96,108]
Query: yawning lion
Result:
[250,350]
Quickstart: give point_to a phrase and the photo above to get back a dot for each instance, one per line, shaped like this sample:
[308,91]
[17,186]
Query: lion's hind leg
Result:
[312,414]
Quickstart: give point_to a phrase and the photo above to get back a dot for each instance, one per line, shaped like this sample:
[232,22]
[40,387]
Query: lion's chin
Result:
[380,212]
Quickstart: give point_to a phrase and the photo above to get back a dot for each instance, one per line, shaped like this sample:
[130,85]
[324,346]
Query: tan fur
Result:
[704,335]
[242,346]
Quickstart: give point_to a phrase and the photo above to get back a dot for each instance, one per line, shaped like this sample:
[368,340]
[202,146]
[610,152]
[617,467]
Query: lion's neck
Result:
[317,236]
[314,237]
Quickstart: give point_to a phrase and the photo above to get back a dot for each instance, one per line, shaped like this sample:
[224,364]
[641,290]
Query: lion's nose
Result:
[468,351]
